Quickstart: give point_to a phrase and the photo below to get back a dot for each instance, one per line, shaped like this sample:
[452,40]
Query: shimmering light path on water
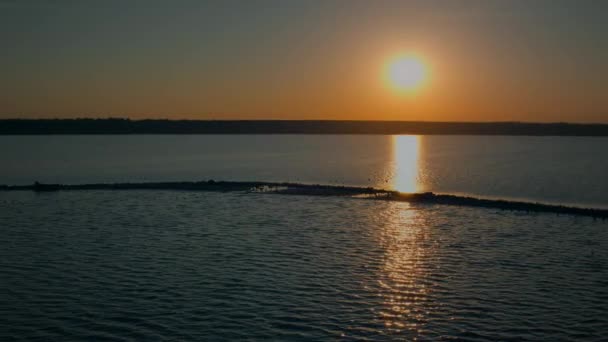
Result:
[161,265]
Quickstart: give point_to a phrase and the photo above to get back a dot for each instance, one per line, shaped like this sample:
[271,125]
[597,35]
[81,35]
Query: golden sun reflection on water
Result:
[409,248]
[410,256]
[406,149]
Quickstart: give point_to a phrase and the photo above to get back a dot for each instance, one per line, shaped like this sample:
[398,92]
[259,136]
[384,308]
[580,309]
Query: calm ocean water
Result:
[176,265]
[569,170]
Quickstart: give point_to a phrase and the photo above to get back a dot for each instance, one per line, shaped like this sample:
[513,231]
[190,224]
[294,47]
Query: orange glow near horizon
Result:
[414,60]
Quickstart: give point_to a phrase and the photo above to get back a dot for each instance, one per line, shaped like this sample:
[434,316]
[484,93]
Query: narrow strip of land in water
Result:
[127,126]
[323,190]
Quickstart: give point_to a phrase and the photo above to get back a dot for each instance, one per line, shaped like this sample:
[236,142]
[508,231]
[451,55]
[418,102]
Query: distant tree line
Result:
[127,126]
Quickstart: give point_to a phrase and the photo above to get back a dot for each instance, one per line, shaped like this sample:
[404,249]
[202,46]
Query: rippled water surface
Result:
[170,265]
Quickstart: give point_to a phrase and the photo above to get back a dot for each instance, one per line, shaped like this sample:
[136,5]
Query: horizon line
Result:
[306,120]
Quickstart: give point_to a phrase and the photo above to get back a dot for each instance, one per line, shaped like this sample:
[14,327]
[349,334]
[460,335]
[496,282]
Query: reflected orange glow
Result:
[409,259]
[405,163]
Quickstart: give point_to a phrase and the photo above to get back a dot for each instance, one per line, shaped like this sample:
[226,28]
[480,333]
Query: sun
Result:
[406,73]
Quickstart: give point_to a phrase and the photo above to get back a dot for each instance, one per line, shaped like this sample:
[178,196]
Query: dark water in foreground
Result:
[170,265]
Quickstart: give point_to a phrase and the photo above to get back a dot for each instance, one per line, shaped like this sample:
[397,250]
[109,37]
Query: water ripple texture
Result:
[171,265]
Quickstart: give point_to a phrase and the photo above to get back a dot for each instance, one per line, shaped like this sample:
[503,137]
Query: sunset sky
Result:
[474,60]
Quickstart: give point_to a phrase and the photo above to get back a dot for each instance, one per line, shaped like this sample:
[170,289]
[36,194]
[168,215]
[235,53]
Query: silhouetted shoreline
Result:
[323,190]
[127,126]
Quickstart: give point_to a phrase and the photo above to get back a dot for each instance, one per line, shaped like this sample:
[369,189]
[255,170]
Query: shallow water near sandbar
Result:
[562,170]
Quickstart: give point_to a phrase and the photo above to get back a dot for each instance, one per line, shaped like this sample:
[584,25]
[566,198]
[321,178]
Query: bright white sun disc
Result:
[406,73]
